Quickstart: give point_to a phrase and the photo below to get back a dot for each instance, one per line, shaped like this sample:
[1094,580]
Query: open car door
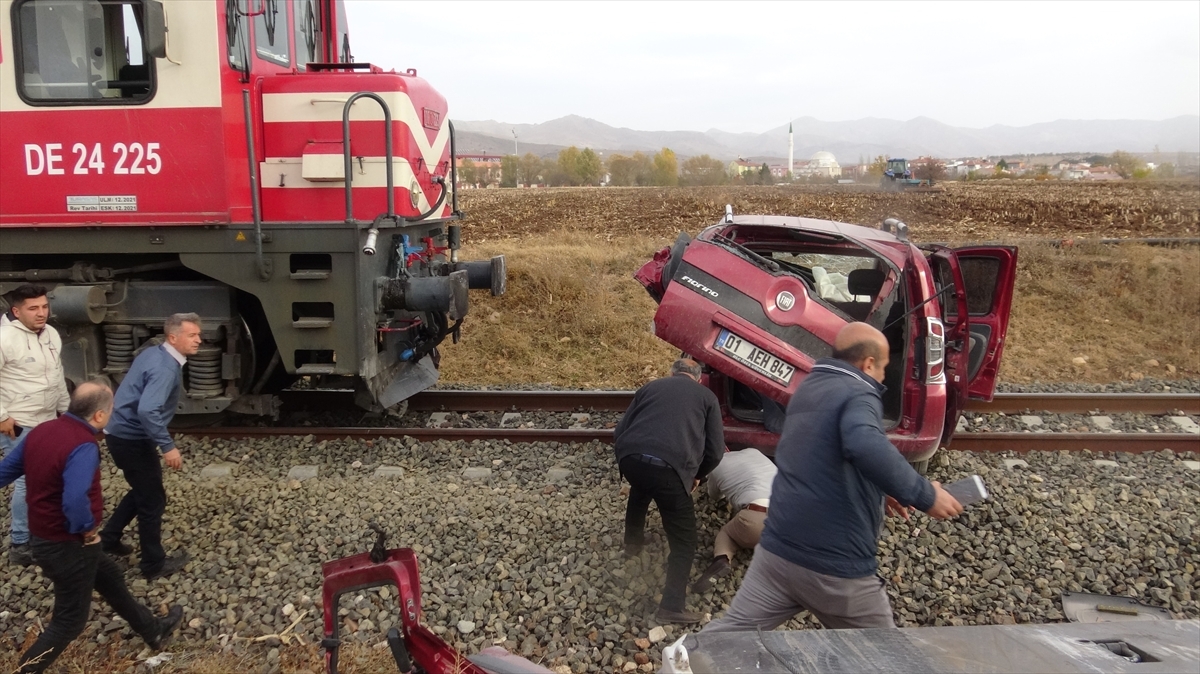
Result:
[988,274]
[948,282]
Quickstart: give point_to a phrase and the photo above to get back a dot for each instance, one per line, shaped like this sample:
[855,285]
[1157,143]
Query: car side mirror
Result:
[156,29]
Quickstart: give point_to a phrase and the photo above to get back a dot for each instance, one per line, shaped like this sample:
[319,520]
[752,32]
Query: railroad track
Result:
[616,401]
[1134,443]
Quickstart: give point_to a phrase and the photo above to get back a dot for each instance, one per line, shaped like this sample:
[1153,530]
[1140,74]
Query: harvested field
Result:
[963,212]
[574,316]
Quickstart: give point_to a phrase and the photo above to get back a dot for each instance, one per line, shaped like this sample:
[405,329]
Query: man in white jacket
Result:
[32,390]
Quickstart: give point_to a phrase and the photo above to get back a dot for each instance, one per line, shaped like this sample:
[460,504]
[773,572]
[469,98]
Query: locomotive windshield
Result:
[85,51]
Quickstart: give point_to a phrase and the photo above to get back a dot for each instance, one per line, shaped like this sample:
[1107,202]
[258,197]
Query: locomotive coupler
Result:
[485,274]
[441,294]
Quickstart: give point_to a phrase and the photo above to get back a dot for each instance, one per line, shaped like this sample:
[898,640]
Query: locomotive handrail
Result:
[348,163]
[453,173]
[264,271]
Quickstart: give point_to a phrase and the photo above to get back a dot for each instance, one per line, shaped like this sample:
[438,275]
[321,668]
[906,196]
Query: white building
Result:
[822,164]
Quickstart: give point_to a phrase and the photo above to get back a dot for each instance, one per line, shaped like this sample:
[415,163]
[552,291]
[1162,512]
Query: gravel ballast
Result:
[526,558]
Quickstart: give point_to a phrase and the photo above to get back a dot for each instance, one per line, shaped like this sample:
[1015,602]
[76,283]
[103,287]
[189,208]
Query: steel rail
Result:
[1134,443]
[1082,403]
[618,401]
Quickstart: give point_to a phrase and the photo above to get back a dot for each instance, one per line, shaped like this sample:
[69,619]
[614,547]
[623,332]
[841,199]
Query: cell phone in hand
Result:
[968,490]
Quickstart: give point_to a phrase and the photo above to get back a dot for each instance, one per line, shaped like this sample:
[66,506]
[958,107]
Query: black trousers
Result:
[146,500]
[661,485]
[76,569]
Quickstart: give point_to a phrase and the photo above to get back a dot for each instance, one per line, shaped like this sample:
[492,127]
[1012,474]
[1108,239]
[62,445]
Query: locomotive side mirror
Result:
[156,29]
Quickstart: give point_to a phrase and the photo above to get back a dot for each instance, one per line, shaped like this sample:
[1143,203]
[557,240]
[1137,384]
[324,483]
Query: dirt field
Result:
[574,316]
[962,212]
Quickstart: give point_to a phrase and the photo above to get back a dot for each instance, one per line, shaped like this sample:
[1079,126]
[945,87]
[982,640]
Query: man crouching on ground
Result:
[670,436]
[836,471]
[61,464]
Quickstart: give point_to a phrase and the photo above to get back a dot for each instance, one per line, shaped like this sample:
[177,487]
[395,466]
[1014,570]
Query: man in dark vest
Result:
[61,464]
[670,437]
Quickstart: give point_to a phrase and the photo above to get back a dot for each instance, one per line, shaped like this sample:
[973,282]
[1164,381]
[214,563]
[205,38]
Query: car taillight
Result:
[935,352]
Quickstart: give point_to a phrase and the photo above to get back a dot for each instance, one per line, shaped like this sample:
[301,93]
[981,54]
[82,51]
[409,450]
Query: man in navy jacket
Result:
[836,471]
[145,405]
[61,464]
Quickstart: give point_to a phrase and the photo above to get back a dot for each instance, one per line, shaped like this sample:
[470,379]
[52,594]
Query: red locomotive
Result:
[230,158]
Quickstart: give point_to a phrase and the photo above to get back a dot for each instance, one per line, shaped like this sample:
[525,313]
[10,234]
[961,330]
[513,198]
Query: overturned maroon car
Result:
[759,298]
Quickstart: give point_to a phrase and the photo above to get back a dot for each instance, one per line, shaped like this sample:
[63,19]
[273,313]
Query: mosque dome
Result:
[824,160]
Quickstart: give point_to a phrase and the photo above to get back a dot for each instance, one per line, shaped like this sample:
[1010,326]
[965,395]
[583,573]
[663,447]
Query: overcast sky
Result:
[753,66]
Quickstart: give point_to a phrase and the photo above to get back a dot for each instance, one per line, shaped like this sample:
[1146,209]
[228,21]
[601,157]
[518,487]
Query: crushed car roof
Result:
[884,243]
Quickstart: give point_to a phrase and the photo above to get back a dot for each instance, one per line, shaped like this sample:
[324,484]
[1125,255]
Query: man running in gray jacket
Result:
[836,468]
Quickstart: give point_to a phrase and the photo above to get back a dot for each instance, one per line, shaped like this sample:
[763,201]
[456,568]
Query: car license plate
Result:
[753,357]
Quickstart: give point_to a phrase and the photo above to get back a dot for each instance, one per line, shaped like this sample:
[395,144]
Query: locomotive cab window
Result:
[308,32]
[271,32]
[82,52]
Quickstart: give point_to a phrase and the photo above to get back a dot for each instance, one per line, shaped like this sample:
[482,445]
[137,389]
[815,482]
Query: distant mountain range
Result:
[846,140]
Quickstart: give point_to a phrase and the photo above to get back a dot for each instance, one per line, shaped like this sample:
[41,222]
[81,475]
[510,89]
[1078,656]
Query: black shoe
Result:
[166,628]
[667,616]
[633,550]
[20,555]
[718,569]
[118,549]
[169,567]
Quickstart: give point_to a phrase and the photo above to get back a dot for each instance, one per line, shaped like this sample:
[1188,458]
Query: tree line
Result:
[576,167]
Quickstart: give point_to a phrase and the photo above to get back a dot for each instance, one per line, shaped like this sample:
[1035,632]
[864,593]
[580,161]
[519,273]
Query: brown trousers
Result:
[743,531]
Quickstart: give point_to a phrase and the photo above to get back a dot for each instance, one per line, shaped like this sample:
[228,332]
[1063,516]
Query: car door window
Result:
[943,281]
[979,276]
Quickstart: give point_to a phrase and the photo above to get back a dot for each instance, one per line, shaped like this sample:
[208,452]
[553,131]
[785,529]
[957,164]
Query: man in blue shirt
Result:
[61,463]
[837,470]
[146,403]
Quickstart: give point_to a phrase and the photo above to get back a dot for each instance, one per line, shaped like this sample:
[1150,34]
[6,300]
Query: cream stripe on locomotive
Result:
[194,83]
[287,173]
[327,107]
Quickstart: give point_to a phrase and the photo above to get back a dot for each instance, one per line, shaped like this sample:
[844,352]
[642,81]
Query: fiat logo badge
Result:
[785,301]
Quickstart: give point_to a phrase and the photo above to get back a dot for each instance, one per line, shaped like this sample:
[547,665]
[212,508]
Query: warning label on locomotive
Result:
[101,204]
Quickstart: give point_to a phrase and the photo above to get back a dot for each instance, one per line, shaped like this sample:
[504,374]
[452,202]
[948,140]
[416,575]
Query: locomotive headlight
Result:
[414,194]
